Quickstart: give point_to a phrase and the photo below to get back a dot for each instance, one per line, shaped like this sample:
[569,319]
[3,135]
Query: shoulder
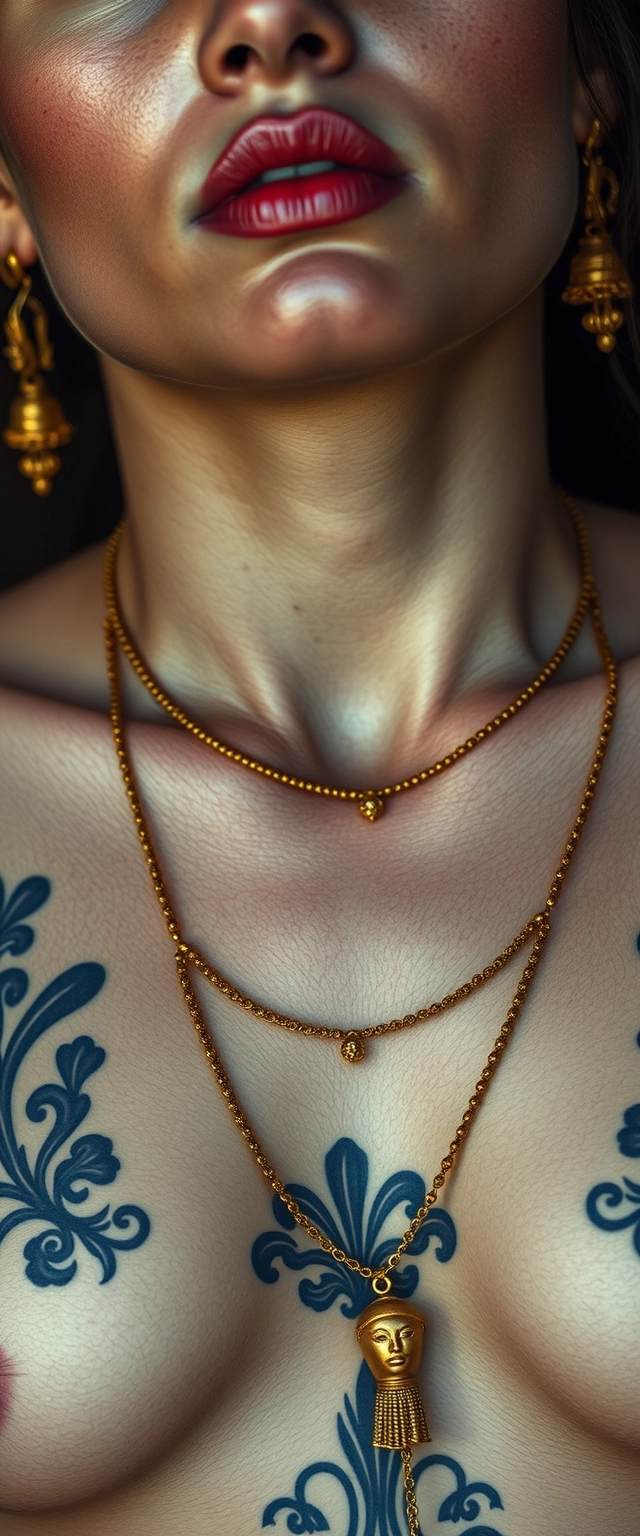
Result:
[51,640]
[615,541]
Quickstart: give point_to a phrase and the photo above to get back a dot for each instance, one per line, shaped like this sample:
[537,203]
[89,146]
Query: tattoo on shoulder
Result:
[48,1189]
[366,1482]
[610,1197]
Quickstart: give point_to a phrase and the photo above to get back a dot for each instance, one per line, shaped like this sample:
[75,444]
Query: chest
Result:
[147,1284]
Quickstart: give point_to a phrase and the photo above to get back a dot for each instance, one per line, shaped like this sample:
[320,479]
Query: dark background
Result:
[594,440]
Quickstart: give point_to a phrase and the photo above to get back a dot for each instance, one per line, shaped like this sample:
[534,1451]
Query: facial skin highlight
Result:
[113,114]
[112,18]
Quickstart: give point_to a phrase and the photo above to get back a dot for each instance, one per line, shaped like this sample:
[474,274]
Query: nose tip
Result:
[272,40]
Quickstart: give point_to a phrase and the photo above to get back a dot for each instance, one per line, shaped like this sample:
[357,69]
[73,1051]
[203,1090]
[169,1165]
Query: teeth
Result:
[291,172]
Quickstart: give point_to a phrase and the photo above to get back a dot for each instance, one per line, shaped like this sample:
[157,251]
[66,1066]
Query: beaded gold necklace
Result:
[370,802]
[391,1330]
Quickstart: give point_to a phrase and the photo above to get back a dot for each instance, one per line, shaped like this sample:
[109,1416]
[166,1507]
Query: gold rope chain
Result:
[381,1277]
[413,1513]
[352,1042]
[371,802]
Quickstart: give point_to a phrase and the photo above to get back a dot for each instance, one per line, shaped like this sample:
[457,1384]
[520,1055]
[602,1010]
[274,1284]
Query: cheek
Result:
[79,119]
[518,43]
[494,76]
[45,124]
[484,56]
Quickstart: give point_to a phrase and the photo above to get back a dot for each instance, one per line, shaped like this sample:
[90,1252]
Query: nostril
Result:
[310,44]
[237,58]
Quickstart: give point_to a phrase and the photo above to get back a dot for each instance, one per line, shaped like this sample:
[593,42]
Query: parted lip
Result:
[273,143]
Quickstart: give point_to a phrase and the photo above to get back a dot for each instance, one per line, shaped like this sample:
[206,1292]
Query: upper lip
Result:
[272,143]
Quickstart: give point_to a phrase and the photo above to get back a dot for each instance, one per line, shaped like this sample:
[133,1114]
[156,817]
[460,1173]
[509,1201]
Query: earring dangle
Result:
[37,423]
[598,273]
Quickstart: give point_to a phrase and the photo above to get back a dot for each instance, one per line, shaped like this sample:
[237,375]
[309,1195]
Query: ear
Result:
[15,230]
[584,108]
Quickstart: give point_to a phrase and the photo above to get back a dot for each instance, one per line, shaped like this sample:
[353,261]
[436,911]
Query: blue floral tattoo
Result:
[609,1197]
[347,1172]
[47,1191]
[373,1490]
[370,1479]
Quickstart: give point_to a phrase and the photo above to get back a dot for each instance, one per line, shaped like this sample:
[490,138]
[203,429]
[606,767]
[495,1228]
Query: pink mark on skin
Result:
[7,1374]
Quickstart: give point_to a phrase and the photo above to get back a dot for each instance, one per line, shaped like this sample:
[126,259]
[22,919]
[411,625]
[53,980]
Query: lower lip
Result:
[309,202]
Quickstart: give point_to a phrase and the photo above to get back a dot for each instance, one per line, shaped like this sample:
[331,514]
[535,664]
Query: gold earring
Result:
[37,423]
[598,273]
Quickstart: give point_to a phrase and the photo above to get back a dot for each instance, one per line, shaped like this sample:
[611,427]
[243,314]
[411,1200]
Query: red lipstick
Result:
[282,175]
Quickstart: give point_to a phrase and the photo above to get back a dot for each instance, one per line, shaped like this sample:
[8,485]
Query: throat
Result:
[374,717]
[338,582]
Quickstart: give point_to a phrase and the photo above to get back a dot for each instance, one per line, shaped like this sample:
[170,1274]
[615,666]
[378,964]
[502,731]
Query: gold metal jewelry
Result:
[370,802]
[405,1422]
[353,1042]
[37,423]
[598,273]
[391,1333]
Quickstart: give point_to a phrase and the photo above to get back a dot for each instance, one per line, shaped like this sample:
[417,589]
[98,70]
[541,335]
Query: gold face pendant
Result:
[391,1336]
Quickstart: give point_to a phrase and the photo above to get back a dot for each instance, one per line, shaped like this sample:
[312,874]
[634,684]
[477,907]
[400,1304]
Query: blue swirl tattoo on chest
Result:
[347,1174]
[369,1479]
[49,1190]
[609,1197]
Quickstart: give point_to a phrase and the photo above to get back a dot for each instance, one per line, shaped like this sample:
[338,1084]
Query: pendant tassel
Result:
[391,1336]
[399,1420]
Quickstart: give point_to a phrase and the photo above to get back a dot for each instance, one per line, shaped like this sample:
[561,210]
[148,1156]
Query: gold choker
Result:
[370,802]
[391,1330]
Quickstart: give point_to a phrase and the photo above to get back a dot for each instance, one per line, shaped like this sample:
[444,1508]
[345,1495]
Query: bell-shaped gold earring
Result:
[598,274]
[37,423]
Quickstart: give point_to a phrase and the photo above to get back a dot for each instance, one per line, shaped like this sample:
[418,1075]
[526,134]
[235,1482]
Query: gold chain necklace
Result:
[352,1042]
[371,802]
[390,1331]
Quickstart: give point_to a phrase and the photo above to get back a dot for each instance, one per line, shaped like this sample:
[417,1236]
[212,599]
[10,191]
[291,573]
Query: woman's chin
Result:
[308,316]
[315,314]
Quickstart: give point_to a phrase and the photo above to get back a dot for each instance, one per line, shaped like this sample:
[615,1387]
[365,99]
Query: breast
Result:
[189,1339]
[549,1197]
[120,1327]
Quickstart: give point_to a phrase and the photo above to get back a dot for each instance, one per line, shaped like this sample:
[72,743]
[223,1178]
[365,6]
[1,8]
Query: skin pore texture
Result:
[342,551]
[6,1390]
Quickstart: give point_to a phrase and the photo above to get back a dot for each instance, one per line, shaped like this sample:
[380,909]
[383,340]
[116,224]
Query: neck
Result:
[325,573]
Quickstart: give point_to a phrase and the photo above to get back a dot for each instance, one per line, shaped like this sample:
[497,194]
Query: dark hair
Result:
[606,37]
